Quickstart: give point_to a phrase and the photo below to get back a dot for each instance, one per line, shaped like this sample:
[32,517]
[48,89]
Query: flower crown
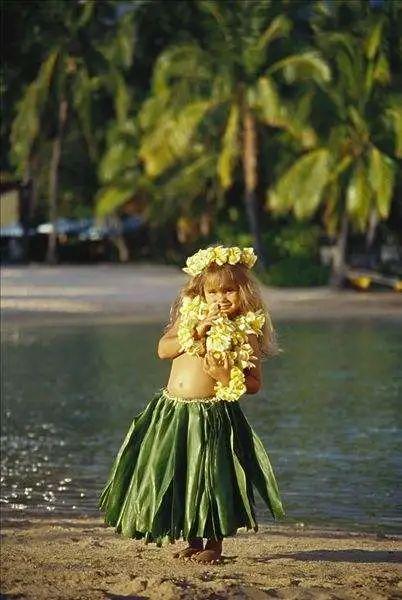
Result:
[196,263]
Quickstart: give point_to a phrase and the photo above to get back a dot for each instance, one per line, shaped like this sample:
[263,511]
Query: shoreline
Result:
[83,558]
[297,528]
[104,294]
[22,320]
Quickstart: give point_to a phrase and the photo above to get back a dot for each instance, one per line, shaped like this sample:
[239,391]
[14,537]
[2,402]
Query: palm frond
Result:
[86,14]
[372,41]
[300,188]
[279,27]
[230,148]
[381,172]
[306,65]
[185,63]
[169,138]
[273,111]
[118,158]
[359,196]
[189,183]
[394,114]
[382,70]
[330,40]
[214,10]
[26,125]
[120,53]
[264,98]
[111,198]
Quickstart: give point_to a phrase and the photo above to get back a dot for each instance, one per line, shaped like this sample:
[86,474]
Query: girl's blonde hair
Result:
[250,299]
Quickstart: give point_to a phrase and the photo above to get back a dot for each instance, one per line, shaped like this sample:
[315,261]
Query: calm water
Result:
[330,418]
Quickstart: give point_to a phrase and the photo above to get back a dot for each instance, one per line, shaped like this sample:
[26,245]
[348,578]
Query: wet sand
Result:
[83,559]
[42,295]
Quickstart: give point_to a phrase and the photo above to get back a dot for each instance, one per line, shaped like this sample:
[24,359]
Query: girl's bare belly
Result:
[188,379]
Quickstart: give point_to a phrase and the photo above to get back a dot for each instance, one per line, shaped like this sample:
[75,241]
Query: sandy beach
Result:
[49,558]
[82,559]
[44,295]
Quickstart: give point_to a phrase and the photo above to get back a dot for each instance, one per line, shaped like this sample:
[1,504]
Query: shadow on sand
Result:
[351,556]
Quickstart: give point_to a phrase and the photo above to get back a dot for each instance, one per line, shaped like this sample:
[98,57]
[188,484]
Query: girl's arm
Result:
[168,346]
[253,375]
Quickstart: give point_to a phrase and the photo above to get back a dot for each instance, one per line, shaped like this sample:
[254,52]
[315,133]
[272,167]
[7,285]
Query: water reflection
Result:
[329,416]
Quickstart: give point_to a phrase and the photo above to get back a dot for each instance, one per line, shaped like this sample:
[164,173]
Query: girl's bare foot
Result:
[211,554]
[194,547]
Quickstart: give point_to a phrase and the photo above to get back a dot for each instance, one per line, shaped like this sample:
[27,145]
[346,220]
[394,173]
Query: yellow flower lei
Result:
[226,337]
[220,255]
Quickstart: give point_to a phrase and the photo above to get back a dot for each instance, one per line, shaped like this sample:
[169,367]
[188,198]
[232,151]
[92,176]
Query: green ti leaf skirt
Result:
[187,469]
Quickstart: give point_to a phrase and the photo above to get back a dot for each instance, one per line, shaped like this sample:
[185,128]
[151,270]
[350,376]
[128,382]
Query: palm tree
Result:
[351,171]
[75,67]
[223,93]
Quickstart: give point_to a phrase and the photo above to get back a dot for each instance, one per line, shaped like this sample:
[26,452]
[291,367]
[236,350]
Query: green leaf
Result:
[119,157]
[349,74]
[359,122]
[330,40]
[358,196]
[190,180]
[394,112]
[265,99]
[26,127]
[381,177]
[186,123]
[382,70]
[170,137]
[179,192]
[373,39]
[87,11]
[111,198]
[185,63]
[280,26]
[152,109]
[300,187]
[306,65]
[212,8]
[123,99]
[339,168]
[155,149]
[230,148]
[120,53]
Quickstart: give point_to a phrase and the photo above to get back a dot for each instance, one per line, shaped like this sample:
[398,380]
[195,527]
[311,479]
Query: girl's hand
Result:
[205,325]
[217,369]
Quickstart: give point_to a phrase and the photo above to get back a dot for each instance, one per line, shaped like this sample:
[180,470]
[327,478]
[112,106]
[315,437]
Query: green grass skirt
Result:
[187,469]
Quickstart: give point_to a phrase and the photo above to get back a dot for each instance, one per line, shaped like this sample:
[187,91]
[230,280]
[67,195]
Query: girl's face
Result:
[225,295]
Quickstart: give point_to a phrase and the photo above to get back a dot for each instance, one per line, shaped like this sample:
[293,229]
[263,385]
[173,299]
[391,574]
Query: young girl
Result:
[190,459]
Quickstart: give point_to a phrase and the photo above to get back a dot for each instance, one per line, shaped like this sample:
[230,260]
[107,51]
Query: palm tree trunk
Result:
[51,256]
[122,249]
[249,151]
[338,259]
[372,252]
[118,240]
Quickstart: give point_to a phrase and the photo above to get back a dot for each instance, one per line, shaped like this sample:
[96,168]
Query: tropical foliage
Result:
[79,62]
[351,171]
[206,104]
[218,119]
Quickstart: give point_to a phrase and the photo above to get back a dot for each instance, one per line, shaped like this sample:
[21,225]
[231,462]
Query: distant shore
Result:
[43,295]
[82,558]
